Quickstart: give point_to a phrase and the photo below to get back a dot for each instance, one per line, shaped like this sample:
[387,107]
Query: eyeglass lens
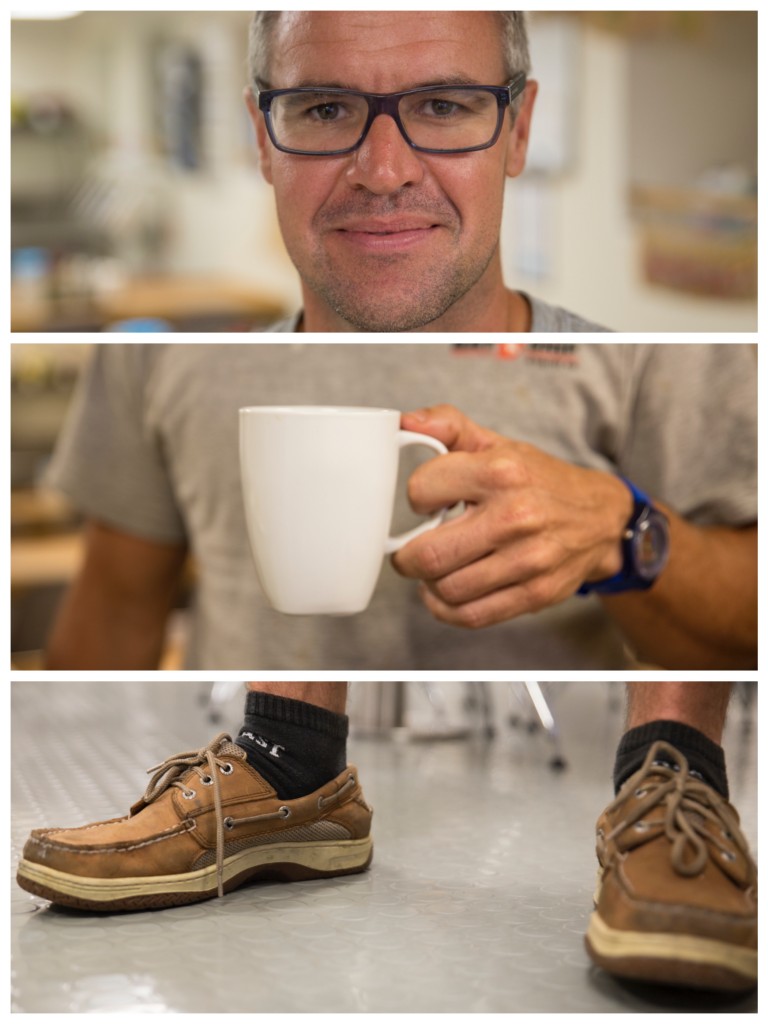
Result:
[452,118]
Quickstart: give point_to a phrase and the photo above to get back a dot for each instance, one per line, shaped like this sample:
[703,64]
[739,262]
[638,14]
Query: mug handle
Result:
[406,437]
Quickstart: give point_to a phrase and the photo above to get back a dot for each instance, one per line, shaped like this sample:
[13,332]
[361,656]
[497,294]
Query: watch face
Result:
[651,545]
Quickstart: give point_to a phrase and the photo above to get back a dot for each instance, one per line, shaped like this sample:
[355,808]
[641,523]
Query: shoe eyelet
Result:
[229,823]
[642,826]
[206,780]
[640,792]
[189,794]
[727,855]
[725,835]
[284,812]
[226,769]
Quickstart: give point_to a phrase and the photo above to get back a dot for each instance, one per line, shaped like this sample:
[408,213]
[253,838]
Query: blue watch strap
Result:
[625,579]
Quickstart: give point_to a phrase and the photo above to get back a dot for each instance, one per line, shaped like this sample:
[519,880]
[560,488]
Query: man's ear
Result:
[521,131]
[262,139]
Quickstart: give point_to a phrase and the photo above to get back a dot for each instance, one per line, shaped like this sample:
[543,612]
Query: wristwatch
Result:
[644,545]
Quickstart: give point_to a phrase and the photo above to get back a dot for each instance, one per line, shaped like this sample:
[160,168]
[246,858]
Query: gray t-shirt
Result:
[151,447]
[545,319]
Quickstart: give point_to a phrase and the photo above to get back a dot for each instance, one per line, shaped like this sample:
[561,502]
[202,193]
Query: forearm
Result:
[702,611]
[102,634]
[115,613]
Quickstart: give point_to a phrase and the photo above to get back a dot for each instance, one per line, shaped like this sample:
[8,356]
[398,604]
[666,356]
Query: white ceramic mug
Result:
[319,488]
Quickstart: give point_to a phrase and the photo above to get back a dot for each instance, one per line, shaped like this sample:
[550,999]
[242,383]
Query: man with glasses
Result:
[388,138]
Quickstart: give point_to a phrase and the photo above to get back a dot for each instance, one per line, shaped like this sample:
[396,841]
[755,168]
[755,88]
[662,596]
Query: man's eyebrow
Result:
[432,83]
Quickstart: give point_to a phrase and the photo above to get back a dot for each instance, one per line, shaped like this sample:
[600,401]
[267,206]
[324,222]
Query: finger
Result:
[500,605]
[500,569]
[490,610]
[471,477]
[445,549]
[446,481]
[451,426]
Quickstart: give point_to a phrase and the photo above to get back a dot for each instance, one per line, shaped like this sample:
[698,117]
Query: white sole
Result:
[324,858]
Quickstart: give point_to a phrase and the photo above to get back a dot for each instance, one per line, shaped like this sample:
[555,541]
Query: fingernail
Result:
[420,415]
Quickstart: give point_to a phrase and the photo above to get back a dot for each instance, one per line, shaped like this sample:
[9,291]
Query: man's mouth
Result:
[387,237]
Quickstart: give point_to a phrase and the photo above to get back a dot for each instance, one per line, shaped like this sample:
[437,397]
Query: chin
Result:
[392,318]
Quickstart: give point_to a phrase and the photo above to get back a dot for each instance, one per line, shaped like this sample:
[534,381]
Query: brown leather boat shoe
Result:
[207,823]
[677,888]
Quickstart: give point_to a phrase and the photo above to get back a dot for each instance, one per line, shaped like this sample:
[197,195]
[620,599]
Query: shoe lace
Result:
[664,781]
[204,763]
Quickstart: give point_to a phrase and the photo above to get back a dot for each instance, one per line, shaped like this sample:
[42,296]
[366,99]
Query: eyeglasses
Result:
[432,119]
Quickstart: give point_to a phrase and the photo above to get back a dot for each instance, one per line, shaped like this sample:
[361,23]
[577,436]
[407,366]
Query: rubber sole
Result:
[287,862]
[667,959]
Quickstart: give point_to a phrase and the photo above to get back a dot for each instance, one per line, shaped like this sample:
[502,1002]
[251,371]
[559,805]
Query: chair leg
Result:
[531,696]
[220,693]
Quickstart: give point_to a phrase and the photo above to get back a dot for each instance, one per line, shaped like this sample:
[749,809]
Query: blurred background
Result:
[137,203]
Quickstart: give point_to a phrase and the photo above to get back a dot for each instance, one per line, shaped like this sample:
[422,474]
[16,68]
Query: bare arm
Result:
[702,610]
[537,527]
[114,614]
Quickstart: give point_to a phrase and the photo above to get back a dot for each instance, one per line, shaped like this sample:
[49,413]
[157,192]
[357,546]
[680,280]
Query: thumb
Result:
[448,424]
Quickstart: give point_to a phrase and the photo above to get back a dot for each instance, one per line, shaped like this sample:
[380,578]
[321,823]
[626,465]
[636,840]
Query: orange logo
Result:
[511,351]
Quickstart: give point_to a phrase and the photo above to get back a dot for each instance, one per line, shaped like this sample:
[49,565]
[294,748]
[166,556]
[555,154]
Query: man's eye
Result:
[325,111]
[441,108]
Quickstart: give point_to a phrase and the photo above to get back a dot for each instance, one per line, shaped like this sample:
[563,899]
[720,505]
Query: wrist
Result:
[644,548]
[618,503]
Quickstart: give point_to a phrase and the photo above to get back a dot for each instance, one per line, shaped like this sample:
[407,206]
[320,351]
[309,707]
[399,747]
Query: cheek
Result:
[476,189]
[300,190]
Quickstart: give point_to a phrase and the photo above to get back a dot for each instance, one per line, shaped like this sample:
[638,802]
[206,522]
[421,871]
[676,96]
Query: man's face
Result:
[387,238]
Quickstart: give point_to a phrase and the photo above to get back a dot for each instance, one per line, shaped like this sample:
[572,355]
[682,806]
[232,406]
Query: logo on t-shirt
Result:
[553,353]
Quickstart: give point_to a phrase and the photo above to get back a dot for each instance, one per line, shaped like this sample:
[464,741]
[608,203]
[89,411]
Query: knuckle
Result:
[471,616]
[450,590]
[539,593]
[429,561]
[537,560]
[503,471]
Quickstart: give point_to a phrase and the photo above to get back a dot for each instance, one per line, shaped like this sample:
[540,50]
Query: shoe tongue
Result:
[229,749]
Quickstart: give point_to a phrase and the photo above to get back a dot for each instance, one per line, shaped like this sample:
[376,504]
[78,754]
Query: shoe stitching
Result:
[177,830]
[85,828]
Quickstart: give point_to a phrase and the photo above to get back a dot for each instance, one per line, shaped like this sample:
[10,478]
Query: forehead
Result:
[385,50]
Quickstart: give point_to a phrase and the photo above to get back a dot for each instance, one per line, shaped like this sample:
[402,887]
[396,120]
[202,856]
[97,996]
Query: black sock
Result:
[297,747]
[703,756]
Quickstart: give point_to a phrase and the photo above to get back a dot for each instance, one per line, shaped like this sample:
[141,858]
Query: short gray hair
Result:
[514,32]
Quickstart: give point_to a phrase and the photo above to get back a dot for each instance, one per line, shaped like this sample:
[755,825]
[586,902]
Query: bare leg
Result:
[329,695]
[700,705]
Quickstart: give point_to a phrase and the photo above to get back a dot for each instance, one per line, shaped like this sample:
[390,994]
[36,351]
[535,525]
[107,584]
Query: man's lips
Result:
[385,235]
[384,227]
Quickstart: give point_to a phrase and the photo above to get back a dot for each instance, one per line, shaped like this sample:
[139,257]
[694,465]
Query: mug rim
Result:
[318,410]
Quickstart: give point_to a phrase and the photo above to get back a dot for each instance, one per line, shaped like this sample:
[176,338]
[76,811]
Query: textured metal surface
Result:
[477,899]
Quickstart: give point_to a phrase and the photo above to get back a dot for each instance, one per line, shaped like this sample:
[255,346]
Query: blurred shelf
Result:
[182,301]
[45,561]
[36,511]
[701,243]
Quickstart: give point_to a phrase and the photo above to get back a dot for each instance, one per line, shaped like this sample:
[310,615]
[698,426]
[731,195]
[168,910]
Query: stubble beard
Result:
[398,291]
[368,304]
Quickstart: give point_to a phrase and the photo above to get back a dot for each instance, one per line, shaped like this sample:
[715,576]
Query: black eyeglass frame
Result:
[388,103]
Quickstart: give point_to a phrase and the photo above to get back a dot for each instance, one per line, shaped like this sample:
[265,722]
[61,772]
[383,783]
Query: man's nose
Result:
[384,162]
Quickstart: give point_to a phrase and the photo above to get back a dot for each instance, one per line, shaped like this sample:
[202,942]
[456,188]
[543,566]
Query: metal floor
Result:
[476,902]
